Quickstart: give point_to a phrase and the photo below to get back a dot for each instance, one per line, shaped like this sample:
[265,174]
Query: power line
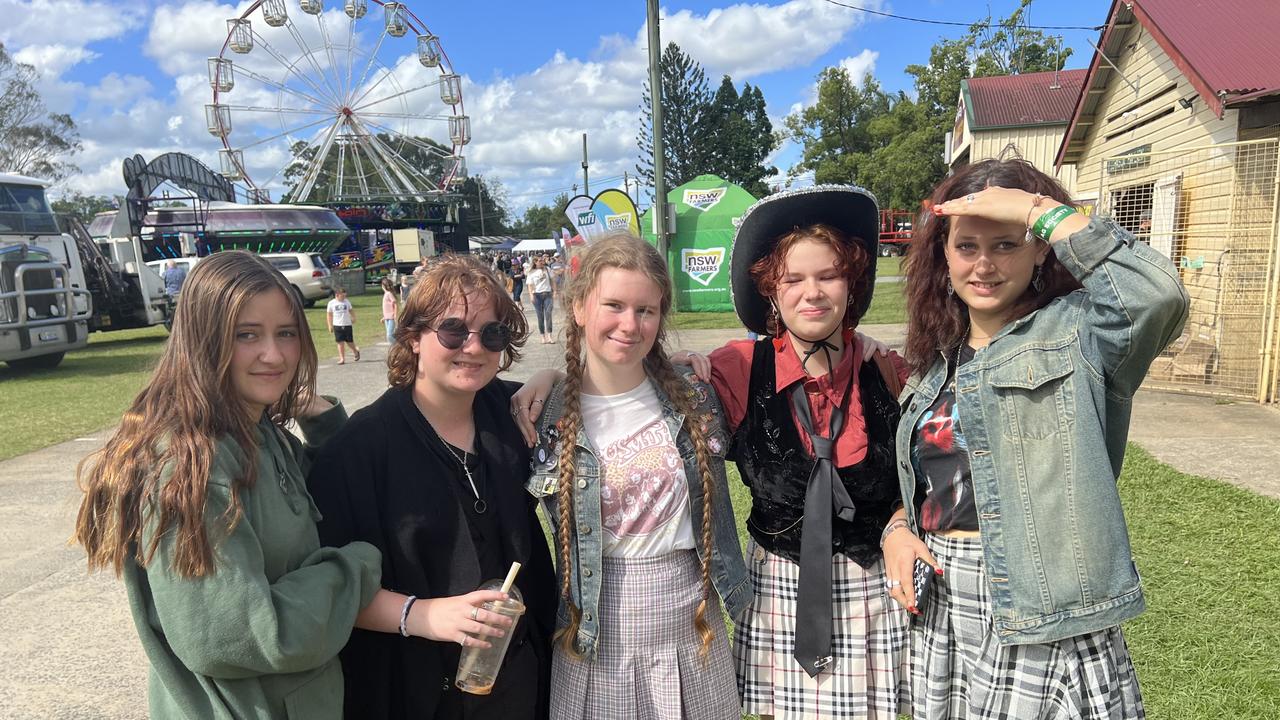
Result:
[960,24]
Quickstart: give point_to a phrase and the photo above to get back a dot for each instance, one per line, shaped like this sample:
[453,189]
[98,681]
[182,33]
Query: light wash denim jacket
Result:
[728,570]
[1045,409]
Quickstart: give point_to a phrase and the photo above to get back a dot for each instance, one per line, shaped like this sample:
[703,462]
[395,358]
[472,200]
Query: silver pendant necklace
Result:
[480,505]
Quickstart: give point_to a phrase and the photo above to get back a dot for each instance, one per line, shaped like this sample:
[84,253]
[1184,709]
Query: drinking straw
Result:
[511,577]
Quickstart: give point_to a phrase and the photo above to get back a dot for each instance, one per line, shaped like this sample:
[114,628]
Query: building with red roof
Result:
[1176,136]
[1025,114]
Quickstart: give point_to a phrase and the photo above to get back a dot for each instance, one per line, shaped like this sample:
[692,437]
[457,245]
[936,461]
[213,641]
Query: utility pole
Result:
[655,96]
[480,202]
[626,183]
[586,186]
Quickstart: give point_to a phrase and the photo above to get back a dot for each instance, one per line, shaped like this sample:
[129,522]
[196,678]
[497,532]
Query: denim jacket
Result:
[728,570]
[1045,409]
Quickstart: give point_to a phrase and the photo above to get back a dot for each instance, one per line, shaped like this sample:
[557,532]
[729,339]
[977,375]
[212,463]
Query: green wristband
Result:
[1050,220]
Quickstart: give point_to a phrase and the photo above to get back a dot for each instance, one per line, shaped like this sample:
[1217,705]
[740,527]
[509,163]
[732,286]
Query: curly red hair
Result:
[851,262]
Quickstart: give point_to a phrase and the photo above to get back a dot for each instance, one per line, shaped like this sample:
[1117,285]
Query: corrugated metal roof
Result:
[1043,98]
[1230,44]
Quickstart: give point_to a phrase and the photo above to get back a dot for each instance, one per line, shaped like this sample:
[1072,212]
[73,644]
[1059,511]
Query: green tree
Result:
[739,137]
[542,221]
[33,141]
[835,132]
[83,207]
[686,100]
[486,203]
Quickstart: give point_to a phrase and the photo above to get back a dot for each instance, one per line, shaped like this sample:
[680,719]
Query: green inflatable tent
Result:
[707,210]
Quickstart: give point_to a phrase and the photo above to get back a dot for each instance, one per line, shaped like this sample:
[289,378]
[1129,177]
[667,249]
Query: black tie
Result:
[824,493]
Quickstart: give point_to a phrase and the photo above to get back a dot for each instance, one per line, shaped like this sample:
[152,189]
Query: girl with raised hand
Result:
[198,501]
[1030,328]
[432,474]
[630,466]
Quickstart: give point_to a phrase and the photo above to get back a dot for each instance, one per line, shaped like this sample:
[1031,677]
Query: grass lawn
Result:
[92,387]
[889,266]
[888,306]
[1206,646]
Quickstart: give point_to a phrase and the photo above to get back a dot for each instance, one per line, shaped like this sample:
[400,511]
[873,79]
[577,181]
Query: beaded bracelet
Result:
[404,614]
[1050,220]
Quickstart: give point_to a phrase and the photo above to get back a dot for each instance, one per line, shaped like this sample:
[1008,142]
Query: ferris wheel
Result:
[349,105]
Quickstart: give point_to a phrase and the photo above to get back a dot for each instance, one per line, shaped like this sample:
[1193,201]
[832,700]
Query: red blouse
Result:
[731,377]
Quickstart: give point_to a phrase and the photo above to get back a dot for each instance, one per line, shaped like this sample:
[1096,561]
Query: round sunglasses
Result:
[453,334]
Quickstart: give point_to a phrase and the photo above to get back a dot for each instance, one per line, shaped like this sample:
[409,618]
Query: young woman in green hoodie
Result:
[198,501]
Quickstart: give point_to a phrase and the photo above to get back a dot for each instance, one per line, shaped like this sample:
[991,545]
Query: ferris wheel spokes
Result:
[279,86]
[317,164]
[358,107]
[310,55]
[287,133]
[292,68]
[372,56]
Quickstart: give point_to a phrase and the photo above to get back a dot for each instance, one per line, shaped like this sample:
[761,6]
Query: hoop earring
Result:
[1037,279]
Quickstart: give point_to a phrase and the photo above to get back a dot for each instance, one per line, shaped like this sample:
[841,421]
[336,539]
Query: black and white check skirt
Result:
[959,669]
[868,677]
[649,664]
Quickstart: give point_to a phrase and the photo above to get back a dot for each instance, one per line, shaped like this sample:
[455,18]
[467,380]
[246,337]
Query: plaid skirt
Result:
[868,677]
[648,663]
[960,670]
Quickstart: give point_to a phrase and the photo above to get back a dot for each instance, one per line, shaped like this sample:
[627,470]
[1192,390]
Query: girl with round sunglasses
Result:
[431,474]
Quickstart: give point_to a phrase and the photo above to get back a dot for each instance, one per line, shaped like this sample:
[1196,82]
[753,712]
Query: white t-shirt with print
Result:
[341,310]
[644,496]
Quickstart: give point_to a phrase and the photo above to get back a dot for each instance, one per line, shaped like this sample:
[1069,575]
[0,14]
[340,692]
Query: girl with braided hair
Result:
[630,467]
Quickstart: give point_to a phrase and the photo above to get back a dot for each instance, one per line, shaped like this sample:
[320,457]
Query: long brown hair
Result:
[937,320]
[187,406]
[625,252]
[851,263]
[450,278]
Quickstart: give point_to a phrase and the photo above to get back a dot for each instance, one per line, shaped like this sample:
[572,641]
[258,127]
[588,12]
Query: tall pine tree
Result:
[686,101]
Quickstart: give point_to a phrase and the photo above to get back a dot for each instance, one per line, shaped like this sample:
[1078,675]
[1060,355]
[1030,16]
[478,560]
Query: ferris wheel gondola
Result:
[346,123]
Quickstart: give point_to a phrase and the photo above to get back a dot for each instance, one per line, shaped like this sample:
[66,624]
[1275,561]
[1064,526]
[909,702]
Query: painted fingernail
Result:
[938,570]
[912,609]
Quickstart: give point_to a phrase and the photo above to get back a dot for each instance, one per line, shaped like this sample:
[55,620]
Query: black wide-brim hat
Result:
[848,208]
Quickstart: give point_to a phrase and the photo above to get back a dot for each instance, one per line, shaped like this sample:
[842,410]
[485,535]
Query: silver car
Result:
[306,272]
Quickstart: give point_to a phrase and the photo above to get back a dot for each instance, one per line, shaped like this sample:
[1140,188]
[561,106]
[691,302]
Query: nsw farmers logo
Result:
[702,265]
[621,221]
[703,200]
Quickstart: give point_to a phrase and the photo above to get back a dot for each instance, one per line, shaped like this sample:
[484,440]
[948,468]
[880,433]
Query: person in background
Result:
[1030,328]
[557,268]
[517,281]
[390,305]
[340,316]
[432,474]
[540,285]
[174,276]
[197,500]
[406,283]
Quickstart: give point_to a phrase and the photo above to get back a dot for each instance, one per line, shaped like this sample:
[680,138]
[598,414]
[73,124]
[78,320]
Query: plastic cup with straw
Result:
[478,666]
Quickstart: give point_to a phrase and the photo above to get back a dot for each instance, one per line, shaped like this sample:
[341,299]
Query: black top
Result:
[389,480]
[941,458]
[775,465]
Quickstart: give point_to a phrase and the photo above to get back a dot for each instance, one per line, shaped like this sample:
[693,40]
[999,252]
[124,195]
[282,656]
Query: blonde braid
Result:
[682,395]
[570,422]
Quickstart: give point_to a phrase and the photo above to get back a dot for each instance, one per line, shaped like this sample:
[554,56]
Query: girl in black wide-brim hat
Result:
[812,425]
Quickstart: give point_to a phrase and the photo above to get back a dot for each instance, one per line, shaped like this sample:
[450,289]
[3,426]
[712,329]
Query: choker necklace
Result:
[480,505]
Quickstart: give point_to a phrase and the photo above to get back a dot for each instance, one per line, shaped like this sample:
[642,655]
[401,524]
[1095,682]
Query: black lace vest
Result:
[775,465]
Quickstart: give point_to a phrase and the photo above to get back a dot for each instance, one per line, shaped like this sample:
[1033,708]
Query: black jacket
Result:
[384,479]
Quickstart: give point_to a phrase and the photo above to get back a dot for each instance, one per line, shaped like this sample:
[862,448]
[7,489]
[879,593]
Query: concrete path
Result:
[69,649]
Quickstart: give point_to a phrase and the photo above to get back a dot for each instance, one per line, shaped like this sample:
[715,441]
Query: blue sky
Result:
[535,75]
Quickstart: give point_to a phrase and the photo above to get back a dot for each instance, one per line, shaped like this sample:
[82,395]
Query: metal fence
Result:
[1213,210]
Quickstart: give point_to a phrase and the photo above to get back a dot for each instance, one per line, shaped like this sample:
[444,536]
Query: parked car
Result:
[306,272]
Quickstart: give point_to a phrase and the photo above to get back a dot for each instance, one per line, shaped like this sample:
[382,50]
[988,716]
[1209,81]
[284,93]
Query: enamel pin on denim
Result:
[544,453]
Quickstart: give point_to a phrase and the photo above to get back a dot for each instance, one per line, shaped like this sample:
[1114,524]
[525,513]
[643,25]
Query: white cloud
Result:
[53,60]
[857,66]
[66,22]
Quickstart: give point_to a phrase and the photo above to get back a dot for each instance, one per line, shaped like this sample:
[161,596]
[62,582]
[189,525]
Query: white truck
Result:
[45,303]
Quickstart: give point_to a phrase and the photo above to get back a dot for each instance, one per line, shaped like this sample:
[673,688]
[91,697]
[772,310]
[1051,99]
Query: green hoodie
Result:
[259,637]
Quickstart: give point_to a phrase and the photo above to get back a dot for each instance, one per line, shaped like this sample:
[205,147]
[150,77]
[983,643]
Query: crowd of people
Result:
[935,532]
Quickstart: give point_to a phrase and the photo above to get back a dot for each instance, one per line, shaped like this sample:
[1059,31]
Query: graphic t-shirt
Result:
[341,310]
[644,498]
[941,458]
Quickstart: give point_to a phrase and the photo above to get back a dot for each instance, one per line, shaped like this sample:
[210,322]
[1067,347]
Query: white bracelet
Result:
[404,614]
